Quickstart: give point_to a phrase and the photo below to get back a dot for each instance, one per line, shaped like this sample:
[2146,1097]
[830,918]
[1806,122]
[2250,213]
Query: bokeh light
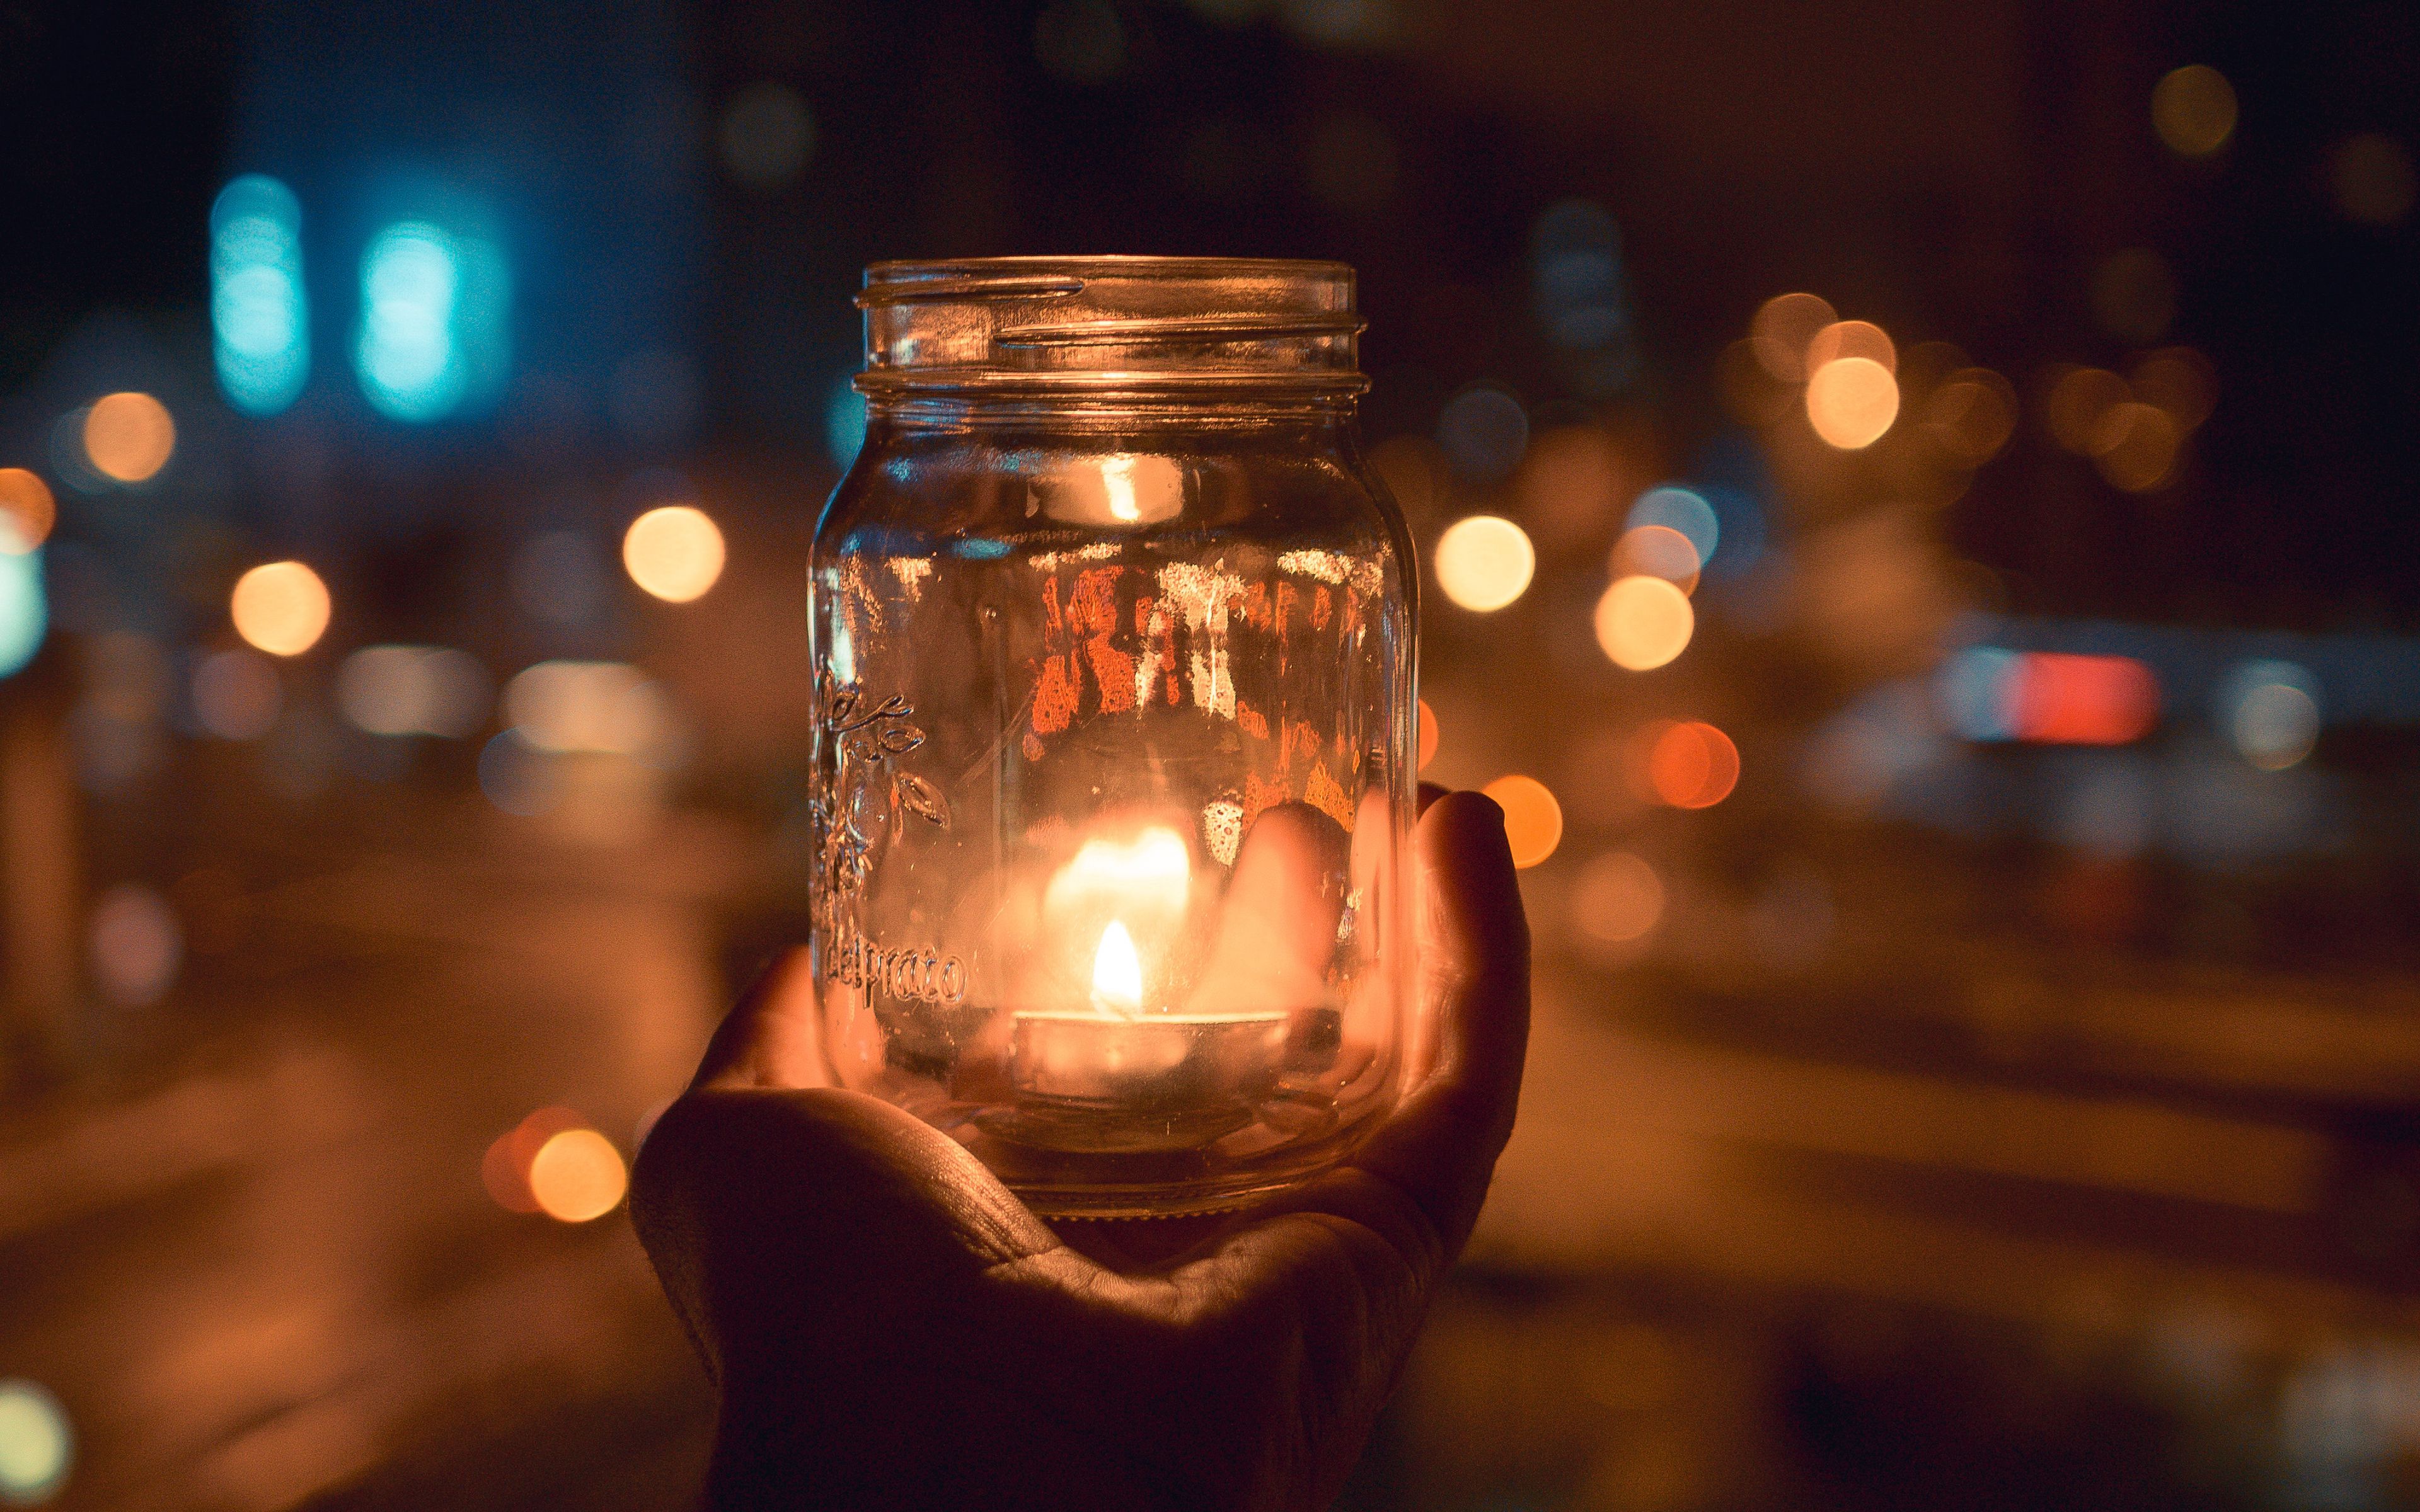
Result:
[1643,622]
[1484,561]
[281,608]
[2271,712]
[1483,432]
[766,135]
[674,551]
[26,508]
[1691,764]
[1684,510]
[2079,397]
[24,608]
[2134,445]
[1783,327]
[1427,737]
[2180,381]
[505,1170]
[37,1444]
[237,694]
[606,707]
[1533,821]
[413,690]
[1971,414]
[2054,697]
[128,437]
[2193,109]
[2370,175]
[1657,552]
[1852,401]
[435,324]
[259,313]
[578,1176]
[135,945]
[516,776]
[1617,898]
[1851,338]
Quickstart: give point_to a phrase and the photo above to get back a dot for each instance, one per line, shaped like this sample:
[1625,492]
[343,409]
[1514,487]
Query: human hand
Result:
[889,1326]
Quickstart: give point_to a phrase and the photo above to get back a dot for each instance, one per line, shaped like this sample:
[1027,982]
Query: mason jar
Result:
[1113,774]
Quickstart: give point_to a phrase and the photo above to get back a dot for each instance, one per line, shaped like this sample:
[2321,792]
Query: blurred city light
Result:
[2180,381]
[413,690]
[1484,561]
[135,945]
[26,510]
[2371,176]
[1427,737]
[1617,898]
[516,776]
[1851,401]
[25,613]
[2270,710]
[1971,415]
[2077,400]
[2134,445]
[1851,338]
[280,607]
[1483,432]
[505,1170]
[1691,764]
[766,135]
[258,312]
[674,551]
[1533,821]
[1657,552]
[434,335]
[606,707]
[578,1176]
[1684,510]
[129,438]
[2193,109]
[1643,622]
[1988,693]
[36,1444]
[1782,330]
[237,694]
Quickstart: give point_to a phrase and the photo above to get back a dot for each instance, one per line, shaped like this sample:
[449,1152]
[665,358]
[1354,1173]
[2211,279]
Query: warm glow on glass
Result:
[1484,563]
[1692,766]
[1643,622]
[1851,401]
[281,608]
[1533,821]
[128,437]
[1117,973]
[578,1176]
[2193,110]
[27,505]
[1428,735]
[1781,330]
[675,553]
[1617,898]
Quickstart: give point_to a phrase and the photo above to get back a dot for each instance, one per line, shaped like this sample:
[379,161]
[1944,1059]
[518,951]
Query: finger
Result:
[1420,1178]
[770,1038]
[1277,924]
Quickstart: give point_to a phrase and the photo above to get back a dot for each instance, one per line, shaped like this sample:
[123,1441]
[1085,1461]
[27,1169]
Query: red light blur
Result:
[2084,700]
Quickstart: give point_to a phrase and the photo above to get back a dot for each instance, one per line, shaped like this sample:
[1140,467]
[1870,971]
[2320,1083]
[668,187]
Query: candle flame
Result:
[1118,477]
[1117,973]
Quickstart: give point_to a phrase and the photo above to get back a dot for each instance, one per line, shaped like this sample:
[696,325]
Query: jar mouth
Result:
[1111,325]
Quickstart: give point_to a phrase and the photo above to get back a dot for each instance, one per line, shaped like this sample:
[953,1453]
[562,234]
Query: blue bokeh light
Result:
[24,611]
[1679,509]
[259,317]
[435,308]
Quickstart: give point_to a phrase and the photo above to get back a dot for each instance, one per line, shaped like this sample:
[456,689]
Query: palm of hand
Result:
[889,1326]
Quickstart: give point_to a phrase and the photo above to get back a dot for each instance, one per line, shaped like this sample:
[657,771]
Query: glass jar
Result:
[1113,771]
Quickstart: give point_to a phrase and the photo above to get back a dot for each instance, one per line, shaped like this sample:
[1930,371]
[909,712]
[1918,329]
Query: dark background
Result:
[1975,1123]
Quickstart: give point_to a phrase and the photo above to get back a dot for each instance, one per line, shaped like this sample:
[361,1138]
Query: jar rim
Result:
[1144,324]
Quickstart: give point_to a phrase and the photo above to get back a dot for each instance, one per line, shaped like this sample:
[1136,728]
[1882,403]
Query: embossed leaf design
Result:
[899,739]
[922,798]
[842,703]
